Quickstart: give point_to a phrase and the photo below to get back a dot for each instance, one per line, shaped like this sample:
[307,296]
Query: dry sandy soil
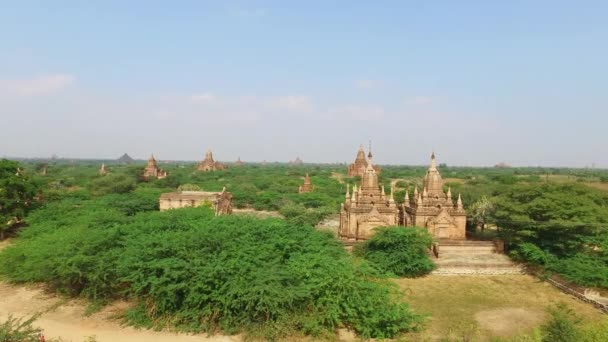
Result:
[66,319]
[257,213]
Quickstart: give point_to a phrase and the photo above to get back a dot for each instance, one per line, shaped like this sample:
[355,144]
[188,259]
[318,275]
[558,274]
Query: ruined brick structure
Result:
[220,202]
[152,170]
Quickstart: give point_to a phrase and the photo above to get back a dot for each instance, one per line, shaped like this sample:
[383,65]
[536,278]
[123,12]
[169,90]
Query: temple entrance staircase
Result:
[462,257]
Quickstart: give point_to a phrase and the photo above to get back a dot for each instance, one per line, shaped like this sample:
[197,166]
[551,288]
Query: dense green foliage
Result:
[102,237]
[562,227]
[401,251]
[198,272]
[17,193]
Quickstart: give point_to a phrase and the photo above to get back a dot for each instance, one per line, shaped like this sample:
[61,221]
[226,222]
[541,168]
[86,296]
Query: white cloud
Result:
[420,100]
[355,112]
[367,84]
[203,98]
[42,85]
[296,103]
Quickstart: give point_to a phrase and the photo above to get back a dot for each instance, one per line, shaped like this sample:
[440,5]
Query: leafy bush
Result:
[402,251]
[562,325]
[19,330]
[112,184]
[530,253]
[582,269]
[191,270]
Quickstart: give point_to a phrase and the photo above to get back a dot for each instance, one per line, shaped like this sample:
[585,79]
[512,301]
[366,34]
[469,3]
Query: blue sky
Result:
[479,82]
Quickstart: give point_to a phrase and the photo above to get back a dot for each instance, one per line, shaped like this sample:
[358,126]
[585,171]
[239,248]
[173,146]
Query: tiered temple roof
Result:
[357,168]
[208,164]
[435,209]
[367,207]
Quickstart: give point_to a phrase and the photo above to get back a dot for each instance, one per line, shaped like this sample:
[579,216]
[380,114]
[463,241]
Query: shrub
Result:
[562,325]
[19,330]
[582,269]
[112,184]
[530,253]
[196,272]
[402,251]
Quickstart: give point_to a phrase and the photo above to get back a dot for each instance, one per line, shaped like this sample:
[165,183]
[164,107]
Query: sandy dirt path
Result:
[66,318]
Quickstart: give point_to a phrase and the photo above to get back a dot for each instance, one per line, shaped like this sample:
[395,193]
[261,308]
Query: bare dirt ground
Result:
[482,307]
[66,319]
[331,223]
[338,176]
[257,213]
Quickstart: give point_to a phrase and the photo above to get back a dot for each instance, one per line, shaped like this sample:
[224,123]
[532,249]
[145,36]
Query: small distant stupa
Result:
[297,162]
[102,170]
[307,186]
[239,162]
[125,159]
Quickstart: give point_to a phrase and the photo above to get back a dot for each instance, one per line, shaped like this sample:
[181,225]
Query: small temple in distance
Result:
[102,170]
[152,170]
[434,209]
[239,162]
[307,186]
[296,162]
[368,207]
[208,164]
[357,168]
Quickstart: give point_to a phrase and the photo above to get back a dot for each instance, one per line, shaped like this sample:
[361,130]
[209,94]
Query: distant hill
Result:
[125,159]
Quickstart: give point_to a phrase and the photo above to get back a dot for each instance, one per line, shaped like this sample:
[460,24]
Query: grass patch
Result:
[483,307]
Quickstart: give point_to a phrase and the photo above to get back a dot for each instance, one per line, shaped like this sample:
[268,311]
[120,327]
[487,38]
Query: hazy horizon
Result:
[478,82]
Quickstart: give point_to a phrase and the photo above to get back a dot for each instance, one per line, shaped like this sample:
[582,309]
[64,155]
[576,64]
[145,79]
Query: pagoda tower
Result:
[435,209]
[368,207]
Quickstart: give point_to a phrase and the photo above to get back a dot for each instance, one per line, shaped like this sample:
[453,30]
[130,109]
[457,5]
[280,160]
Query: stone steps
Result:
[463,257]
[478,271]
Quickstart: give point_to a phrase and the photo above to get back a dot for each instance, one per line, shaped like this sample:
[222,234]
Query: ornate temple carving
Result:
[357,168]
[208,164]
[435,209]
[367,208]
[152,170]
[220,202]
[307,186]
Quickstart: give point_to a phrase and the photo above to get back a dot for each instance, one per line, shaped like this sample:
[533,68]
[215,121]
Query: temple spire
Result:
[459,202]
[347,196]
[433,163]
